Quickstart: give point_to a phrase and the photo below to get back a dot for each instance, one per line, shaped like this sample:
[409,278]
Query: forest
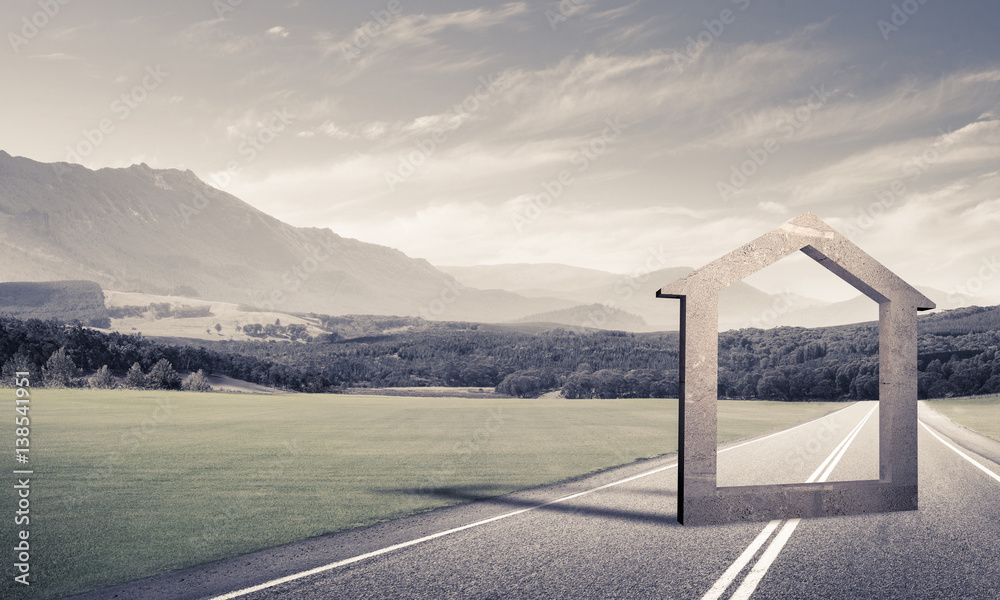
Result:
[957,357]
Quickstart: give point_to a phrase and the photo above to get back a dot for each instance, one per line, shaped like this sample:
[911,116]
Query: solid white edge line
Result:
[760,568]
[962,454]
[727,578]
[354,559]
[374,553]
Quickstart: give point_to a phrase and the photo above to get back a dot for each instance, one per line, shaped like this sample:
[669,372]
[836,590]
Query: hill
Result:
[66,301]
[598,316]
[166,232]
[783,363]
[740,305]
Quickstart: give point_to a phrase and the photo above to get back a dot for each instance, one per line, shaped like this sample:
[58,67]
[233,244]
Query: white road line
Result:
[783,431]
[757,572]
[843,449]
[360,557]
[727,578]
[962,454]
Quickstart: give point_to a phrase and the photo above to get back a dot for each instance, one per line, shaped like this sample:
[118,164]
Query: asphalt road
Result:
[620,538]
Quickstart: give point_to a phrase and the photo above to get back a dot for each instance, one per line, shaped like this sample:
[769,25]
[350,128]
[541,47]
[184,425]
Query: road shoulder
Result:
[963,436]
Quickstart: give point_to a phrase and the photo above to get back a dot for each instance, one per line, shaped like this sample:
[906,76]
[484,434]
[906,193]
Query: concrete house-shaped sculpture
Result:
[700,500]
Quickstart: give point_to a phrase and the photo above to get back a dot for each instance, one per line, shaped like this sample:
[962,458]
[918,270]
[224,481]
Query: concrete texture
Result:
[700,499]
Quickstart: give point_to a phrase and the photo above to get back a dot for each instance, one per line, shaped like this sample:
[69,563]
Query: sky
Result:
[594,133]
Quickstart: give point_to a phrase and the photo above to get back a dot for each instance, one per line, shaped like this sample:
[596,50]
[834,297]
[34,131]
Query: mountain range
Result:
[166,232]
[610,297]
[139,229]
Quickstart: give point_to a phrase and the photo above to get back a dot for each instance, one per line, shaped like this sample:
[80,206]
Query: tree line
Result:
[957,356]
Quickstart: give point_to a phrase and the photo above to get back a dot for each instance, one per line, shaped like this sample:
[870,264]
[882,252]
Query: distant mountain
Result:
[740,305]
[597,316]
[539,279]
[167,232]
[65,301]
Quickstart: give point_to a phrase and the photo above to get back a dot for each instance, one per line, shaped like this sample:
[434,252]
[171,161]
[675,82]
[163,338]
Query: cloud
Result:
[899,168]
[276,33]
[374,130]
[772,207]
[894,108]
[330,129]
[373,40]
[210,36]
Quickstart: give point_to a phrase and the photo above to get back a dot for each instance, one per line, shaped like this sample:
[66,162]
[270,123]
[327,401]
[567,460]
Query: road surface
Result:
[615,535]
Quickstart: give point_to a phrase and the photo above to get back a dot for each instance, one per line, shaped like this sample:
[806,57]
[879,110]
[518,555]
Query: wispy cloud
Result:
[371,41]
[277,33]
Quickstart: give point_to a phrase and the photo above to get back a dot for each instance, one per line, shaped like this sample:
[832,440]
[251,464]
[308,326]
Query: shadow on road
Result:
[482,493]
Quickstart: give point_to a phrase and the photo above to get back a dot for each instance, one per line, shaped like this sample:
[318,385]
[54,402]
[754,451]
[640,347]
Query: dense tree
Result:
[163,376]
[135,379]
[59,370]
[197,382]
[20,362]
[102,379]
[788,363]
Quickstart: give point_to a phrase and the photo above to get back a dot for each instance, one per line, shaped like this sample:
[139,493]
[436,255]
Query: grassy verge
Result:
[134,483]
[979,414]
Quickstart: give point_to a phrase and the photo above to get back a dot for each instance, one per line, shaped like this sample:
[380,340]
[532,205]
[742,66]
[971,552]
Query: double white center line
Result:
[758,571]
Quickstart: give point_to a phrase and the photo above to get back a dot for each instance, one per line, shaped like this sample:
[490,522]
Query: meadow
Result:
[978,414]
[129,484]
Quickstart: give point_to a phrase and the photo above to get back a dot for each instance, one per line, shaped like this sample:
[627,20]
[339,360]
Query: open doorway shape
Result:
[700,500]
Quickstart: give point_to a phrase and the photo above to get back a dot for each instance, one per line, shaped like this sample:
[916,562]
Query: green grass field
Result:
[979,414]
[129,484]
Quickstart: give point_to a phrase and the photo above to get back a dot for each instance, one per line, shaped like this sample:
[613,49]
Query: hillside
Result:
[164,232]
[65,301]
[783,363]
[740,305]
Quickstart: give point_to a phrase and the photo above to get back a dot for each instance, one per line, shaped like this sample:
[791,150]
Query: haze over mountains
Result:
[740,305]
[139,229]
[167,232]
